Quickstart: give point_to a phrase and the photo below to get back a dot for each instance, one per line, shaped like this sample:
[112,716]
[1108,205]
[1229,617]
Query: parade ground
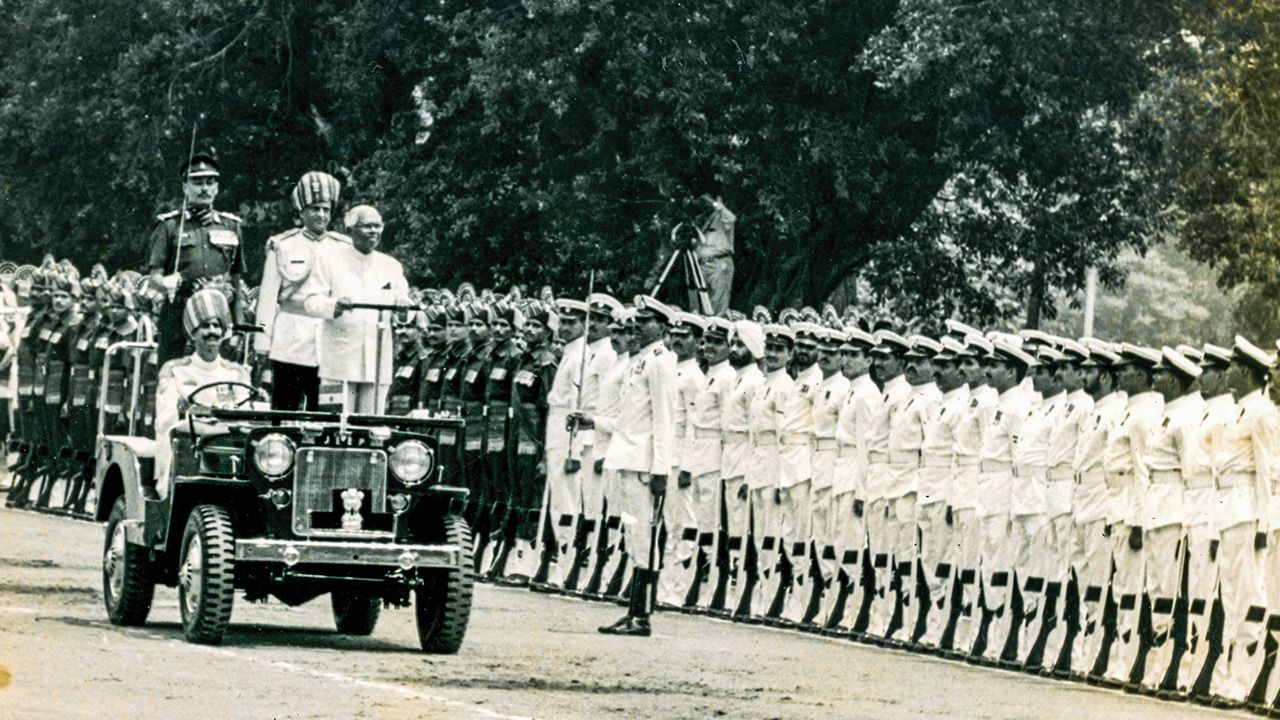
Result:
[526,655]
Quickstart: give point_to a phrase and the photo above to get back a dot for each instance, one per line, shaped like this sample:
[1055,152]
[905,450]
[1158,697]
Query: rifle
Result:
[182,214]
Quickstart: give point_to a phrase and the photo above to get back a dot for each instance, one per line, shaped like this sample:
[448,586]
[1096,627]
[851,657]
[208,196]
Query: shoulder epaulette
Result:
[168,216]
[232,216]
[286,234]
[337,236]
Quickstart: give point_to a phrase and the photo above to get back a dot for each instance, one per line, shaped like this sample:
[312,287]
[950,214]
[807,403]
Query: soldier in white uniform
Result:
[847,595]
[764,474]
[1049,651]
[563,495]
[1006,370]
[703,458]
[1163,513]
[828,397]
[615,562]
[207,321]
[1125,460]
[642,451]
[934,513]
[681,548]
[1242,507]
[1091,549]
[887,366]
[292,340]
[347,273]
[746,349]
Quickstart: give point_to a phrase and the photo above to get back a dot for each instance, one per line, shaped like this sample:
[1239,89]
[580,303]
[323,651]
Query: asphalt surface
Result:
[526,655]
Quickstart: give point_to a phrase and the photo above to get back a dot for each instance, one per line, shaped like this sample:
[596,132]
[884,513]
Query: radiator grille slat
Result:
[319,472]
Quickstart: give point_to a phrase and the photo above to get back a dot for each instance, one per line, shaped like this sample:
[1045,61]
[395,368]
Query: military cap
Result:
[1074,351]
[831,337]
[922,346]
[780,331]
[457,313]
[1215,355]
[786,316]
[604,304]
[856,336]
[961,330]
[804,327]
[689,321]
[982,347]
[1174,360]
[1036,337]
[655,307]
[719,326]
[1252,354]
[1048,355]
[1104,358]
[1193,354]
[567,306]
[890,342]
[953,349]
[1140,354]
[201,164]
[1010,352]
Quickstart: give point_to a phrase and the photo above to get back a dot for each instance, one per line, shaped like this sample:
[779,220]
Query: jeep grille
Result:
[321,475]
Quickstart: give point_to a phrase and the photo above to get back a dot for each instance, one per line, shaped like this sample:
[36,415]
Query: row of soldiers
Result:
[1076,508]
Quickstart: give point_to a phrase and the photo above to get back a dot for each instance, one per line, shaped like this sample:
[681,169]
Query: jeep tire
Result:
[127,584]
[443,603]
[355,613]
[206,574]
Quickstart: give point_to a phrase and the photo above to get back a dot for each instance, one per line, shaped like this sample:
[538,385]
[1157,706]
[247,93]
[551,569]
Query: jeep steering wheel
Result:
[254,393]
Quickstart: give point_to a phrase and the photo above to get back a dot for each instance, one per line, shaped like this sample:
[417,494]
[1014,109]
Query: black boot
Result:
[636,621]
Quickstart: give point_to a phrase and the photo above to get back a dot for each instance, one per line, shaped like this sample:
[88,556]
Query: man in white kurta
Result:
[356,350]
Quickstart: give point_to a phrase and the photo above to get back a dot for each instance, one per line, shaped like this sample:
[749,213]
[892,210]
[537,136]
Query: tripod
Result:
[699,295]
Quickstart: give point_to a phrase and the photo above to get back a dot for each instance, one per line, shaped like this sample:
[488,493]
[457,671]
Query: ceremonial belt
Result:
[878,457]
[937,461]
[996,466]
[1062,472]
[1094,477]
[768,437]
[904,457]
[968,461]
[1173,477]
[734,436]
[1119,479]
[825,444]
[794,440]
[850,451]
[1236,478]
[1030,471]
[706,434]
[1198,480]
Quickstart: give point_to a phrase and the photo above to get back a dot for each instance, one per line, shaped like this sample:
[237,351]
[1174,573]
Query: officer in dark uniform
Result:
[504,359]
[53,359]
[191,249]
[30,376]
[471,386]
[77,406]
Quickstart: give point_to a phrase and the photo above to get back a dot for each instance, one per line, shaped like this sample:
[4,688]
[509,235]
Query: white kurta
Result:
[349,341]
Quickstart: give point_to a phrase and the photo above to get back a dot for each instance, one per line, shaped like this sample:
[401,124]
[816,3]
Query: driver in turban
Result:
[207,321]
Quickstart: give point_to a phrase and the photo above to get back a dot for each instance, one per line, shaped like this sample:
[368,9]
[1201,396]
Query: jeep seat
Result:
[144,448]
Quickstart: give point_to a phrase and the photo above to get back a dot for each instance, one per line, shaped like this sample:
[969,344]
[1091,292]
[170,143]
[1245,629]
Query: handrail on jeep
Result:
[134,346]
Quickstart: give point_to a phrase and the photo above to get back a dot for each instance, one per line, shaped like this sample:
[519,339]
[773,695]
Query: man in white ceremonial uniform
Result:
[1266,694]
[291,341]
[934,513]
[358,344]
[746,350]
[703,458]
[1242,518]
[888,363]
[678,515]
[846,595]
[642,451]
[906,436]
[616,563]
[563,496]
[207,321]
[966,527]
[795,488]
[1201,496]
[1091,546]
[1048,652]
[1006,372]
[827,399]
[1163,513]
[601,356]
[1125,460]
[764,474]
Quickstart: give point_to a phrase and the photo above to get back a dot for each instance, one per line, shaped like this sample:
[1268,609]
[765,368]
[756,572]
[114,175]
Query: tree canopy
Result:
[925,157]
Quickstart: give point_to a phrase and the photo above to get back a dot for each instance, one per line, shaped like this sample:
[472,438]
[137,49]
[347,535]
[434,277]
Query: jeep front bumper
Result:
[323,552]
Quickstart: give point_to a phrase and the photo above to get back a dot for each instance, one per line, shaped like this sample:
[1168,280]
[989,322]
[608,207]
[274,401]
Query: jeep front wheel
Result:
[355,613]
[443,603]
[206,574]
[127,587]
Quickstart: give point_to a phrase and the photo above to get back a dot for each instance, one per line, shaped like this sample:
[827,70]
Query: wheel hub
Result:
[113,562]
[191,575]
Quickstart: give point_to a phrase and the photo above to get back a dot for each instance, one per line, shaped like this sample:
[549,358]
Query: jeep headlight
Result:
[273,455]
[411,461]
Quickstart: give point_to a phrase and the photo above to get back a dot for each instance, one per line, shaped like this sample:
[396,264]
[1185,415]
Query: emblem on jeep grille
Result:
[351,501]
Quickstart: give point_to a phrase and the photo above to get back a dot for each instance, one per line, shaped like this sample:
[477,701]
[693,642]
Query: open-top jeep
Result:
[286,504]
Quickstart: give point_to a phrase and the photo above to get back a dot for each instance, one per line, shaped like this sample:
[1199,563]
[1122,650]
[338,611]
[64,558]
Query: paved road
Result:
[527,655]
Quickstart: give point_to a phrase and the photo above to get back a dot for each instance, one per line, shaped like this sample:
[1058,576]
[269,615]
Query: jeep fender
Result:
[118,472]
